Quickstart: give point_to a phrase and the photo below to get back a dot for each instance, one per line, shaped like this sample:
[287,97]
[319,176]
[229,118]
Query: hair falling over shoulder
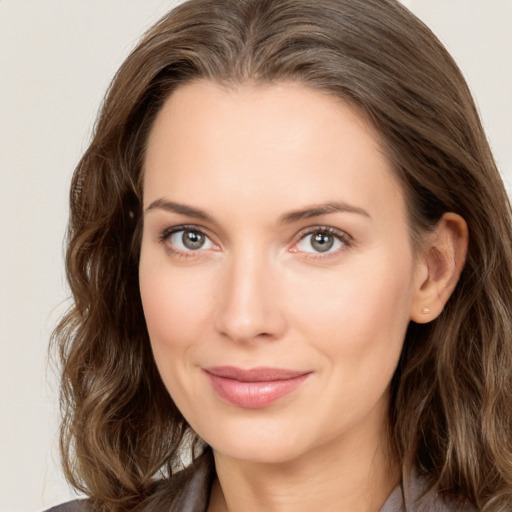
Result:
[451,410]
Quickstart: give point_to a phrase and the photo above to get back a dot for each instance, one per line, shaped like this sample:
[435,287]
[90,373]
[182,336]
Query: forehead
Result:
[283,144]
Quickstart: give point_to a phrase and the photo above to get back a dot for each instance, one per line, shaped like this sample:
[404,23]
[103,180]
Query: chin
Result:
[259,453]
[262,442]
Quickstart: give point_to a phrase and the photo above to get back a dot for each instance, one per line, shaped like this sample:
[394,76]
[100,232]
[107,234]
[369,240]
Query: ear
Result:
[438,267]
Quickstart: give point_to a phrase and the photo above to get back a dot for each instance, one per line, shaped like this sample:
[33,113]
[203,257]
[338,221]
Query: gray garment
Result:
[189,491]
[409,496]
[72,506]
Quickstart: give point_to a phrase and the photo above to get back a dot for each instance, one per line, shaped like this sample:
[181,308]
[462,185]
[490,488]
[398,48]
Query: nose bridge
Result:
[249,305]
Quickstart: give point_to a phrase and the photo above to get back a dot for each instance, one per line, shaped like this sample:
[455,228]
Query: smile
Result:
[255,388]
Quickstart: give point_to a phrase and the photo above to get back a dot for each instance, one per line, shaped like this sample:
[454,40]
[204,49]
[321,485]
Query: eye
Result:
[322,241]
[187,240]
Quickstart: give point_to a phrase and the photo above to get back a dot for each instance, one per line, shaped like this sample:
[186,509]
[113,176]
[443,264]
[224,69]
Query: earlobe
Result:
[439,267]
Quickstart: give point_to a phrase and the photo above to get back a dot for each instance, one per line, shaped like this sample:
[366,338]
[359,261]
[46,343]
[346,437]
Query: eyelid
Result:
[346,240]
[341,235]
[164,236]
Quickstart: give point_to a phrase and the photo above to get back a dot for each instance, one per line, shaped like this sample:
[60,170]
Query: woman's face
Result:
[276,272]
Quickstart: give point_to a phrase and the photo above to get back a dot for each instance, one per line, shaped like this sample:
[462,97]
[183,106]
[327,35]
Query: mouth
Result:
[254,388]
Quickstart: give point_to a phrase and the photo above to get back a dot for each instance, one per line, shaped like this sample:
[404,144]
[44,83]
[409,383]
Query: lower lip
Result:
[254,395]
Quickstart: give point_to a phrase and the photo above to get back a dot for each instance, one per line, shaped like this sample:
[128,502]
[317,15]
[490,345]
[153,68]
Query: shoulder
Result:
[73,506]
[418,498]
[187,490]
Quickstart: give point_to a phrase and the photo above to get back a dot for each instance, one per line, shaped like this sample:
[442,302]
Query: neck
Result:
[351,475]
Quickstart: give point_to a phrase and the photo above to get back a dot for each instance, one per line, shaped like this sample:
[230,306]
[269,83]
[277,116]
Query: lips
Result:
[254,388]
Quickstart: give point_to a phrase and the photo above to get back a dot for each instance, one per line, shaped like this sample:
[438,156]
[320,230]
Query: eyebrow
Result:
[183,209]
[321,209]
[288,218]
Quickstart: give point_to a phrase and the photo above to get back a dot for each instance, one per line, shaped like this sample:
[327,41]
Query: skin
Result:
[258,293]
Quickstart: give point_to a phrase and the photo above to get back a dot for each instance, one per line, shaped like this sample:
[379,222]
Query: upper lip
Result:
[260,374]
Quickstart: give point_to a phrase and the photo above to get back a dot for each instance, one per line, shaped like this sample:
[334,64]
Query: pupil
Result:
[322,242]
[193,240]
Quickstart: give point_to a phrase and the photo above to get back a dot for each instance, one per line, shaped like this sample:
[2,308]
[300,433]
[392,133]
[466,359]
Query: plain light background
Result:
[56,60]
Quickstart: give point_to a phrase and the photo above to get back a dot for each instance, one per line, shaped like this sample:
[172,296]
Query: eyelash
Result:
[167,233]
[345,239]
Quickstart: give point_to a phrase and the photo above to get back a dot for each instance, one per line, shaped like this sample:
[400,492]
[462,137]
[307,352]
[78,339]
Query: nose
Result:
[248,306]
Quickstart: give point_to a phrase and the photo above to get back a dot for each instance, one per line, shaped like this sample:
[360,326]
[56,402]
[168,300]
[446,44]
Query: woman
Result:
[290,255]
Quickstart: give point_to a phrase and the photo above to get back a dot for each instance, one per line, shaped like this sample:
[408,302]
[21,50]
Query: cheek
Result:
[176,308]
[176,304]
[358,312]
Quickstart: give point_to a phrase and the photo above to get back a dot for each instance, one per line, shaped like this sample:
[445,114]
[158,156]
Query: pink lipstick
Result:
[254,388]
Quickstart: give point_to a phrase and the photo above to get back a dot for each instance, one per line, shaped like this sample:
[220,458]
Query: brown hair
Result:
[451,410]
